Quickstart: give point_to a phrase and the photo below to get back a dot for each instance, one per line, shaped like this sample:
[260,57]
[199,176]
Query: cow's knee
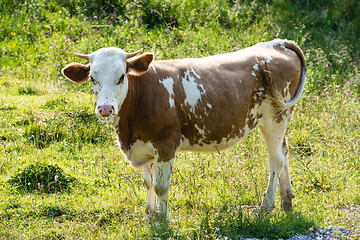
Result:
[162,178]
[276,163]
[148,175]
[161,189]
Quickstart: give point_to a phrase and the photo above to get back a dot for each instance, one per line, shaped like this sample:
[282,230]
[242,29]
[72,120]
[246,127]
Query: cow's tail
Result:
[275,96]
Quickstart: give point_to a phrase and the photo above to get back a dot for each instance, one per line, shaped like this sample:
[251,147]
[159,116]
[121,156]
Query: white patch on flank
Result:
[255,67]
[169,86]
[253,112]
[209,105]
[268,58]
[287,92]
[196,75]
[193,91]
[201,131]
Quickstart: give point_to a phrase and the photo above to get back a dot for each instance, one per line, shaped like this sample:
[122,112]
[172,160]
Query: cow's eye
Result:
[121,79]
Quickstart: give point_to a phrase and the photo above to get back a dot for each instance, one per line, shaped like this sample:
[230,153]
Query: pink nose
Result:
[106,110]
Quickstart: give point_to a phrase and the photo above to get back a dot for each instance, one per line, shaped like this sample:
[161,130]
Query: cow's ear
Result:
[139,64]
[76,72]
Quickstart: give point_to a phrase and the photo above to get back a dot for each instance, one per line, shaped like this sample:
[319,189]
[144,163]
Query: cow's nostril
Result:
[106,110]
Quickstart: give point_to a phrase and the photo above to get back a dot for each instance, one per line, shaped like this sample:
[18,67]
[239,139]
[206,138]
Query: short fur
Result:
[200,104]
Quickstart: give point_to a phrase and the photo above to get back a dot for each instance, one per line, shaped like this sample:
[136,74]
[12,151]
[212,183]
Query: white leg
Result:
[286,192]
[273,135]
[148,174]
[161,182]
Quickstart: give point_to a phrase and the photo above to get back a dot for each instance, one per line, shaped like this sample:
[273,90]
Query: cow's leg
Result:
[286,192]
[148,174]
[161,183]
[273,134]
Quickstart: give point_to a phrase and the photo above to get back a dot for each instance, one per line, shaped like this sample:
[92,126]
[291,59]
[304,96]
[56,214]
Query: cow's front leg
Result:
[161,183]
[148,174]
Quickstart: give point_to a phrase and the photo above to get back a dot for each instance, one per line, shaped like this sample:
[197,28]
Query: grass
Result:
[45,119]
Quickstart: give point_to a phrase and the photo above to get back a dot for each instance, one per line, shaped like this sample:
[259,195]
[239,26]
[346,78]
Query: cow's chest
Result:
[140,152]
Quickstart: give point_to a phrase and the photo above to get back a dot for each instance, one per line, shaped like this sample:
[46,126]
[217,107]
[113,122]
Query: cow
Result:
[159,108]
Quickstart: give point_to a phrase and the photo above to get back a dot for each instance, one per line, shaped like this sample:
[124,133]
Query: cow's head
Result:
[108,70]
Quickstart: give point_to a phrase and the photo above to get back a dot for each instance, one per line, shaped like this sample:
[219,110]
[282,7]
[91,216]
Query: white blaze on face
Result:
[108,73]
[169,86]
[193,91]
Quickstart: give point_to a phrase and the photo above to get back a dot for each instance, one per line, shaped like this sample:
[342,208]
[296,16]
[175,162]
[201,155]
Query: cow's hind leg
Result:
[286,192]
[274,135]
[148,174]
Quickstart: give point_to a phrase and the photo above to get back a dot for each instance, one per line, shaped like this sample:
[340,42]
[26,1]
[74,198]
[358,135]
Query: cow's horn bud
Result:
[130,55]
[83,56]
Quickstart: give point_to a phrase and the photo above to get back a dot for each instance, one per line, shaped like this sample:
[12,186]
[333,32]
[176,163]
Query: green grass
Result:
[47,120]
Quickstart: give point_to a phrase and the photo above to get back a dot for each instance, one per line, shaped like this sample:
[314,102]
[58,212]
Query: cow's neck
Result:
[126,127]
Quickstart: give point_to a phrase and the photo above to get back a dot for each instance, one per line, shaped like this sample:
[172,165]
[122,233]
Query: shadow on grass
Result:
[162,231]
[237,223]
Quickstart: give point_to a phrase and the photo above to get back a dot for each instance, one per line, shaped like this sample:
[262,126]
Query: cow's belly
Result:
[213,146]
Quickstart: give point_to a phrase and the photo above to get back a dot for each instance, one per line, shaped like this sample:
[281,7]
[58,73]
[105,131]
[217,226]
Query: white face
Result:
[110,83]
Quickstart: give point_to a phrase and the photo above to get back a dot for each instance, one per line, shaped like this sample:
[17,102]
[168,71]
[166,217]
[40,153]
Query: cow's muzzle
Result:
[106,110]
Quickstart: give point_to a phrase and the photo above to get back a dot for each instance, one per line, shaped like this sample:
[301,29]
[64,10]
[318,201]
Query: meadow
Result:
[63,177]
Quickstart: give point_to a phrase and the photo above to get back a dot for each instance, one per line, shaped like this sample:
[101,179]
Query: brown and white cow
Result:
[198,104]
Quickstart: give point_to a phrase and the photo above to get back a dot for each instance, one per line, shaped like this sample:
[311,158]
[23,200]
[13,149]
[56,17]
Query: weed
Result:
[237,223]
[42,134]
[28,90]
[58,103]
[53,211]
[8,107]
[41,177]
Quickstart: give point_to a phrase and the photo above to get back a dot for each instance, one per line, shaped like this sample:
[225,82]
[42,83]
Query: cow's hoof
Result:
[150,217]
[267,206]
[286,206]
[157,219]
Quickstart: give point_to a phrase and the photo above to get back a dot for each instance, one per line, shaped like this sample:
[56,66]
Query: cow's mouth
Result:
[108,119]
